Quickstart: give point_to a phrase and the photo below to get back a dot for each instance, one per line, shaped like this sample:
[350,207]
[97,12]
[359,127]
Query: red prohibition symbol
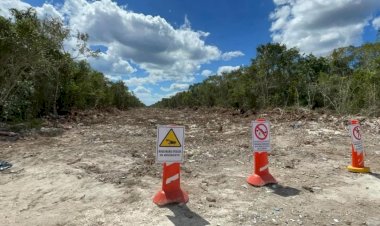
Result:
[261,131]
[356,133]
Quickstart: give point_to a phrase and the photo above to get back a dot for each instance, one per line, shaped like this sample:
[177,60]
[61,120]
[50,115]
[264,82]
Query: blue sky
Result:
[160,47]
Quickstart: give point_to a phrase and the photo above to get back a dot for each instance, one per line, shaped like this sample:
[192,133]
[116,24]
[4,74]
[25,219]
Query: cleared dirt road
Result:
[102,172]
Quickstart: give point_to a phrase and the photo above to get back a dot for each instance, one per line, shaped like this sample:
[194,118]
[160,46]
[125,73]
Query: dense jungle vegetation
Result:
[347,81]
[38,77]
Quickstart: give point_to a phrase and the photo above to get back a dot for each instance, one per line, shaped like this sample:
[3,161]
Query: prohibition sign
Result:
[356,133]
[261,131]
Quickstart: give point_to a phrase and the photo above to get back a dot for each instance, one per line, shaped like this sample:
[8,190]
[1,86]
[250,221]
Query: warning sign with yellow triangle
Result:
[170,140]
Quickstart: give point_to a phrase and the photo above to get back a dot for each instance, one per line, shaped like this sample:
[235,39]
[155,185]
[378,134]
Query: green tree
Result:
[38,77]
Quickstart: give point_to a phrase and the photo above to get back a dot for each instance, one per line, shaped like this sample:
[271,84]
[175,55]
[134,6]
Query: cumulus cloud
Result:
[206,73]
[318,26]
[48,11]
[376,23]
[5,5]
[111,64]
[113,77]
[229,55]
[227,69]
[148,97]
[175,86]
[138,81]
[141,90]
[163,51]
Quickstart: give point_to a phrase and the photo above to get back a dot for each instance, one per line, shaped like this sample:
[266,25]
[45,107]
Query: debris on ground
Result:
[4,165]
[9,136]
[95,169]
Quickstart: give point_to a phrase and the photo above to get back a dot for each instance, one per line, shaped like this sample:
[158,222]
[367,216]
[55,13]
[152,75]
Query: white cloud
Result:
[206,73]
[113,77]
[319,26]
[229,55]
[5,5]
[164,52]
[48,11]
[151,79]
[111,64]
[227,69]
[175,86]
[280,2]
[141,90]
[186,24]
[376,23]
[137,81]
[148,97]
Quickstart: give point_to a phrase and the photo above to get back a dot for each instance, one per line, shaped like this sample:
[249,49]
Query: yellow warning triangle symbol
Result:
[170,140]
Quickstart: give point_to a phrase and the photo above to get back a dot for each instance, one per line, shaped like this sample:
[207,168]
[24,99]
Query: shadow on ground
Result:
[283,191]
[184,216]
[377,175]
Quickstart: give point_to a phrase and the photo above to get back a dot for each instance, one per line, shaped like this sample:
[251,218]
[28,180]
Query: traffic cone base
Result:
[261,180]
[171,191]
[358,170]
[261,175]
[162,198]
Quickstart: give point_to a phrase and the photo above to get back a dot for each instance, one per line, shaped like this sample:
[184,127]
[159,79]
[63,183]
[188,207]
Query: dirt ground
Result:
[101,171]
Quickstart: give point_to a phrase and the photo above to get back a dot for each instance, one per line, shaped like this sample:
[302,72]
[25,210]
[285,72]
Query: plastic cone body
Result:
[261,175]
[171,190]
[357,163]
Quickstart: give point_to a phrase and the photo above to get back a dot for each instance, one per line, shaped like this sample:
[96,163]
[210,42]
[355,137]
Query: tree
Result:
[38,77]
[347,81]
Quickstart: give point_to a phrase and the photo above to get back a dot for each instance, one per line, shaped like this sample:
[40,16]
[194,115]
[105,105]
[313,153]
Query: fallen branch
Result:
[8,134]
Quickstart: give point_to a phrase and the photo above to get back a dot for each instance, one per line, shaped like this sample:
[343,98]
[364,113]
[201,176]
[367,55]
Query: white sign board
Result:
[356,137]
[170,144]
[261,136]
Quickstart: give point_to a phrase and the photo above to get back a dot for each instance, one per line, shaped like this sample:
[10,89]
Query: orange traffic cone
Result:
[357,165]
[171,191]
[261,175]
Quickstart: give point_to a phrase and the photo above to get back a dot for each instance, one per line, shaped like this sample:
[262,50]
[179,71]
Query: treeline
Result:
[347,81]
[37,77]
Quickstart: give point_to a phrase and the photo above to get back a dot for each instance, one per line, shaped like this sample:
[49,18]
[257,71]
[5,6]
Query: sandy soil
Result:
[101,171]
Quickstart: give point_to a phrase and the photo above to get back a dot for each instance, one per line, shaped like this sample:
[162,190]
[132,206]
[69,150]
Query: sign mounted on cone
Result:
[261,136]
[261,147]
[357,153]
[356,137]
[170,144]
